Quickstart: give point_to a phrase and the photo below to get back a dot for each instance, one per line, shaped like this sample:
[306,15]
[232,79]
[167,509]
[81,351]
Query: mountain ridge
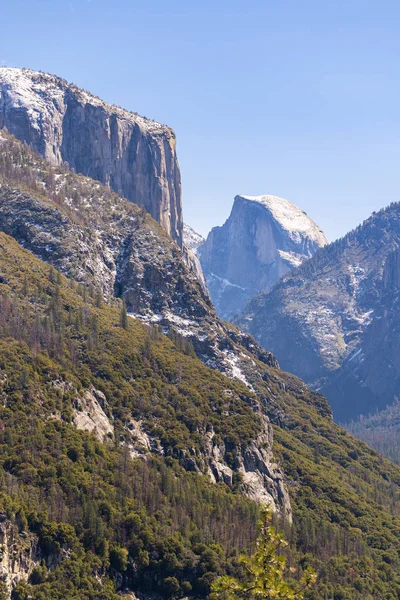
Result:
[328,317]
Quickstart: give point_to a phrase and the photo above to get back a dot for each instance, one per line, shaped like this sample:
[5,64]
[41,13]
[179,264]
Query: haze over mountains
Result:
[135,451]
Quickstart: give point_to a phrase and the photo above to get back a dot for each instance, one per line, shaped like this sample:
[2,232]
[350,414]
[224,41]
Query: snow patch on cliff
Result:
[225,282]
[293,259]
[234,367]
[191,238]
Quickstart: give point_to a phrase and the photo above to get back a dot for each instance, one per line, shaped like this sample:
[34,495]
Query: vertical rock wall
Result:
[136,157]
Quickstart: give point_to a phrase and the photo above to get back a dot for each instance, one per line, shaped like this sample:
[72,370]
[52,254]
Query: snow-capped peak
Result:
[290,217]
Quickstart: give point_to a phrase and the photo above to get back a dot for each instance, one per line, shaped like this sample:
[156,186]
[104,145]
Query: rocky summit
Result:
[263,238]
[133,155]
[335,320]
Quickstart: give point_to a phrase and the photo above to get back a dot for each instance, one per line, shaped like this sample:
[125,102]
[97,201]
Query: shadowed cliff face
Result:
[263,239]
[136,157]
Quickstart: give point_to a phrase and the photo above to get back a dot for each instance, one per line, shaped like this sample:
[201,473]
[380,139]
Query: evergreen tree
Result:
[124,316]
[264,571]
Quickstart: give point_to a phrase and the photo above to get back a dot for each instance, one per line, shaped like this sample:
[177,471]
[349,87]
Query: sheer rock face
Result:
[261,476]
[136,157]
[19,553]
[335,321]
[264,238]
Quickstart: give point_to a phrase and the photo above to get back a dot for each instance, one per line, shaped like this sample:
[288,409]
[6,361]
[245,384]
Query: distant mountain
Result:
[335,321]
[192,239]
[263,238]
[135,156]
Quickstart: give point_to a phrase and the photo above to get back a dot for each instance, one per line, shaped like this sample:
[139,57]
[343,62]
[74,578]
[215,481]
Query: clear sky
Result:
[297,98]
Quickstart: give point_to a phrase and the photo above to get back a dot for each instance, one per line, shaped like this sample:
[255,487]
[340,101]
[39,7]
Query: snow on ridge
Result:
[34,90]
[191,238]
[292,258]
[226,283]
[291,217]
[234,368]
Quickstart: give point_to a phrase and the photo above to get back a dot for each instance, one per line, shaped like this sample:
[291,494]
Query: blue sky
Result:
[297,98]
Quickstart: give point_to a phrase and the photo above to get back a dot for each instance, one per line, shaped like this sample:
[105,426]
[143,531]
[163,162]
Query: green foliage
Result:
[263,575]
[119,559]
[93,509]
[380,430]
[84,498]
[124,316]
[172,587]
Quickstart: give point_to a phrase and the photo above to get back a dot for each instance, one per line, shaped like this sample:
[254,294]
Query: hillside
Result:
[86,504]
[81,501]
[204,446]
[380,430]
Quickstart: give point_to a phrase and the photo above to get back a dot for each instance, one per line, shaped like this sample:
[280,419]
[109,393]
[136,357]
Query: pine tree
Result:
[99,299]
[124,316]
[52,274]
[264,571]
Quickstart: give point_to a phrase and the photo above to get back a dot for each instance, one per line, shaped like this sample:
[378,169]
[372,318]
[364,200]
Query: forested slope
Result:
[133,506]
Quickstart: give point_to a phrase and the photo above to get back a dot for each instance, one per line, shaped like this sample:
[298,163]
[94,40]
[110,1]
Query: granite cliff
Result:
[134,156]
[263,238]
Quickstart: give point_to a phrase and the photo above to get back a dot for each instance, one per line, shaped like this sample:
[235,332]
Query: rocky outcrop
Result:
[261,478]
[89,415]
[264,238]
[19,554]
[133,155]
[334,321]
